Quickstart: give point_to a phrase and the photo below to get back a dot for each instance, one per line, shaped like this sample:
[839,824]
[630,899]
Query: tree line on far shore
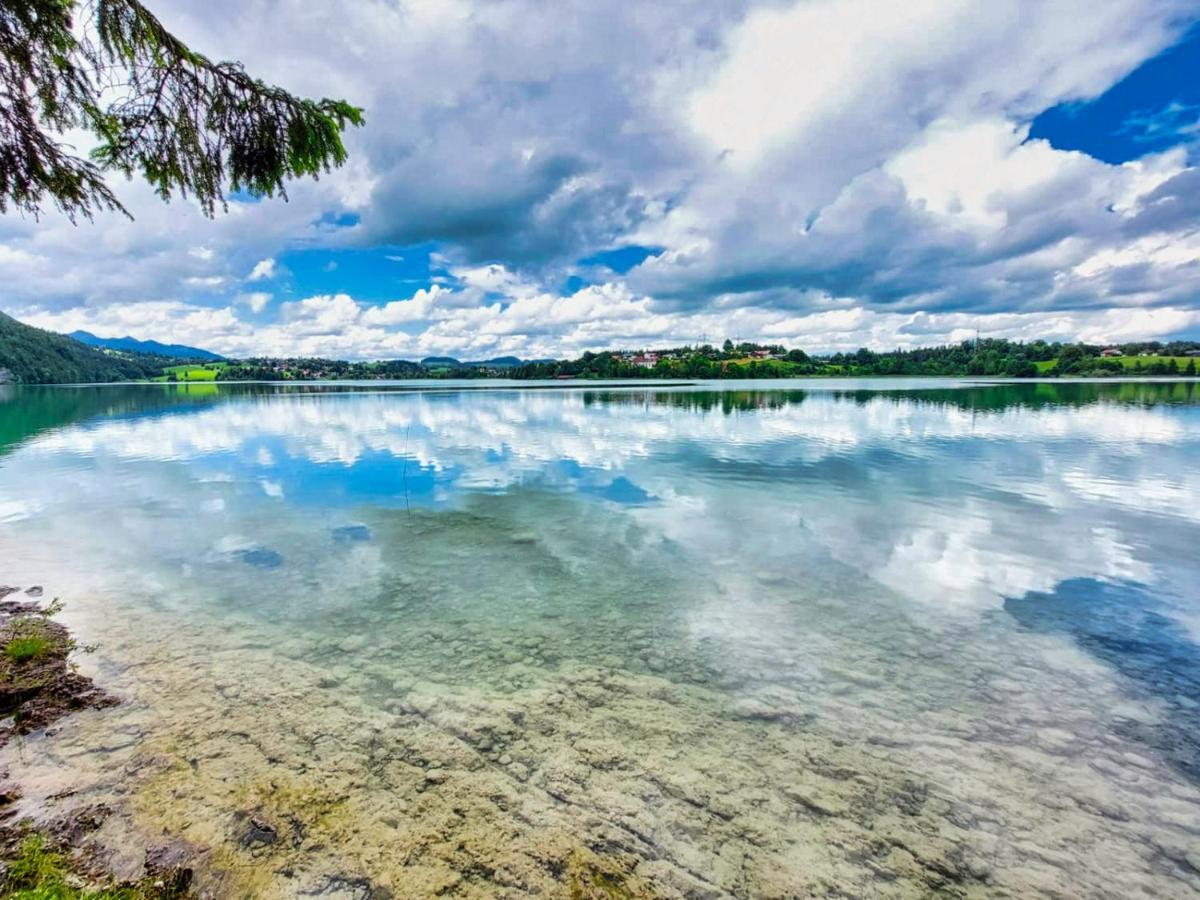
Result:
[30,355]
[987,357]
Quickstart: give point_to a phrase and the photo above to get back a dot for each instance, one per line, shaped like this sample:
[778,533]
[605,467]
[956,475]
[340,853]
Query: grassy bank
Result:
[39,868]
[39,685]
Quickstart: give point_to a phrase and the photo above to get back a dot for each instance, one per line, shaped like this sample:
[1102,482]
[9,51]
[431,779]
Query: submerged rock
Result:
[259,833]
[261,558]
[353,644]
[351,534]
[167,867]
[815,800]
[345,887]
[37,683]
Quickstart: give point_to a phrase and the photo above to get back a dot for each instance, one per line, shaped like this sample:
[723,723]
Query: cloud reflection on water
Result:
[956,498]
[936,580]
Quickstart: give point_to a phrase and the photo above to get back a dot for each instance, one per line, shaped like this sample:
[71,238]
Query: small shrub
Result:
[22,649]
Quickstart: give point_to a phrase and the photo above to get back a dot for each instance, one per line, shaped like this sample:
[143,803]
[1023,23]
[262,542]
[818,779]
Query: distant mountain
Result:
[30,355]
[496,362]
[499,362]
[133,345]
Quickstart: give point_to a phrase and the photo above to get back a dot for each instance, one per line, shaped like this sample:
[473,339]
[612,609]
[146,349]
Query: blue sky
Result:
[826,174]
[1152,109]
[374,275]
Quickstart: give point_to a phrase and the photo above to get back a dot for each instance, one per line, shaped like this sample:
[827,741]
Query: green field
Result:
[1130,362]
[191,372]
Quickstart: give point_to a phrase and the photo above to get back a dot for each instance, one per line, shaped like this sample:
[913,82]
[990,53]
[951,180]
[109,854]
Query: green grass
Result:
[1130,362]
[189,372]
[40,873]
[782,366]
[23,649]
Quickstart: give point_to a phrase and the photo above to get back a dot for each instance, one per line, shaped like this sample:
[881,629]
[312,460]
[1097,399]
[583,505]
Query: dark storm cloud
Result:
[1173,204]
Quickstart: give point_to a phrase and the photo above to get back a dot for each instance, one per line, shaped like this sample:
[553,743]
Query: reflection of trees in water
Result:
[975,397]
[1040,394]
[27,411]
[701,401]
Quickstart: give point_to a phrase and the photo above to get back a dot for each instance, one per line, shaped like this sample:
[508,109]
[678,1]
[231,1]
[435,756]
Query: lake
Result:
[757,639]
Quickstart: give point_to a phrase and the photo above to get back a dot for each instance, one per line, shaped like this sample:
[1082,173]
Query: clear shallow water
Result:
[864,639]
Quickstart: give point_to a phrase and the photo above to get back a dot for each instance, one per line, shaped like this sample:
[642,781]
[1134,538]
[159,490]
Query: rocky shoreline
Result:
[38,686]
[59,855]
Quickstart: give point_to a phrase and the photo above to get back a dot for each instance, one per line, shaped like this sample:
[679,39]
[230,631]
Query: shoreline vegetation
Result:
[988,358]
[55,859]
[30,355]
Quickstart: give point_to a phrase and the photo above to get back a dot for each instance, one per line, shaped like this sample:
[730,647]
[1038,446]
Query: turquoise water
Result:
[862,638]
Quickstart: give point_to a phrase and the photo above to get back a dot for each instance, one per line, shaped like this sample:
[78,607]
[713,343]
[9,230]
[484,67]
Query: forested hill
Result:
[30,355]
